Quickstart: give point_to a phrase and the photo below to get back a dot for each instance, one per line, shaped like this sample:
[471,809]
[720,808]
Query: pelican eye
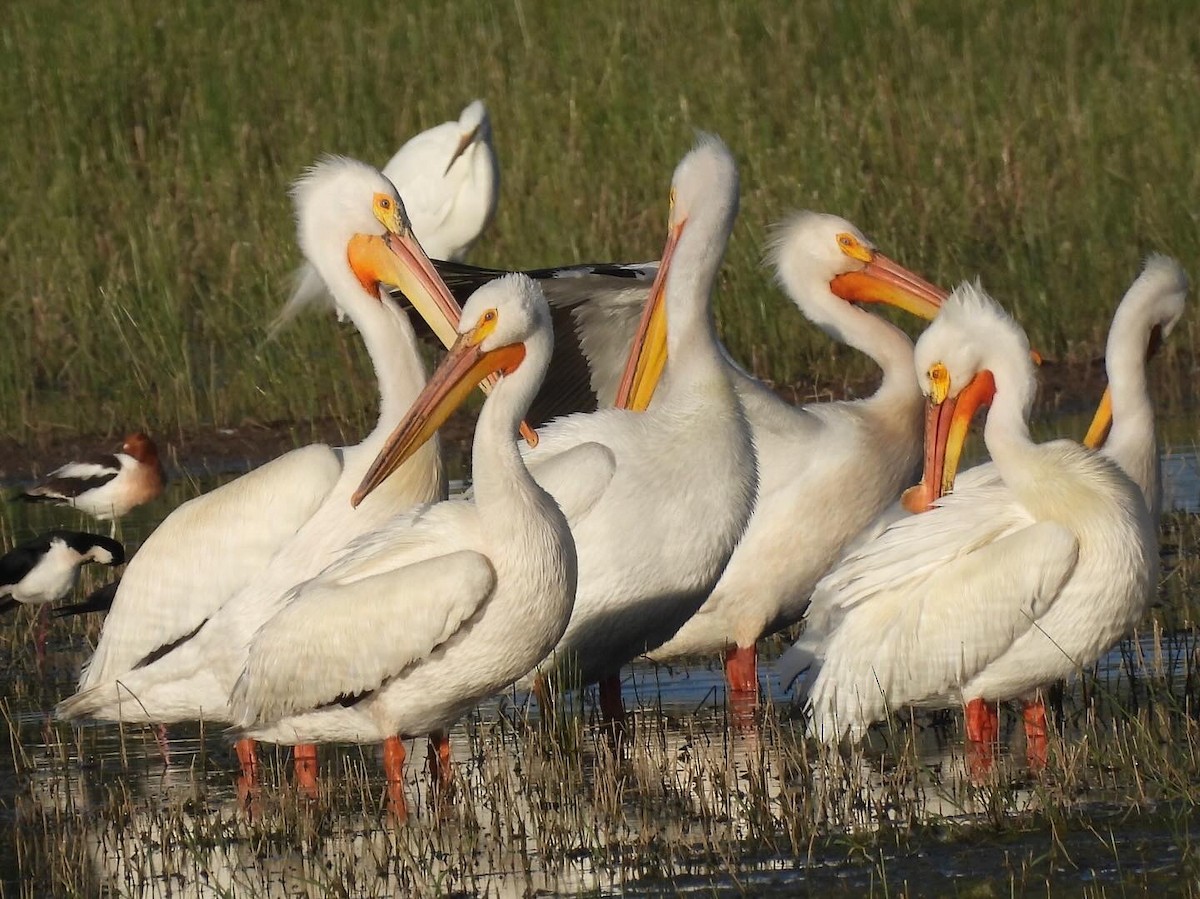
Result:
[485,326]
[387,213]
[939,382]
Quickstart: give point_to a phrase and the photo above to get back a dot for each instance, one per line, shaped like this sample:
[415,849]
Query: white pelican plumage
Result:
[219,566]
[997,590]
[444,605]
[449,179]
[658,538]
[825,470]
[106,487]
[1124,423]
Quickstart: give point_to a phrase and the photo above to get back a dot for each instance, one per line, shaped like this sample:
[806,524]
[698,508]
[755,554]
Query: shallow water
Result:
[697,806]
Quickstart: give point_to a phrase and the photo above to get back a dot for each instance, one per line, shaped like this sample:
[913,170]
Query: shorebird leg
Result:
[164,744]
[612,709]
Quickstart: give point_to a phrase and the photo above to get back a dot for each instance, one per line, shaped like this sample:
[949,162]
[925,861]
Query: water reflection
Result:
[535,811]
[695,804]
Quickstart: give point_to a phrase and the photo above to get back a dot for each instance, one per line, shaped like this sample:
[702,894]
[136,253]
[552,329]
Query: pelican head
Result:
[704,192]
[350,215]
[816,247]
[955,361]
[475,127]
[505,322]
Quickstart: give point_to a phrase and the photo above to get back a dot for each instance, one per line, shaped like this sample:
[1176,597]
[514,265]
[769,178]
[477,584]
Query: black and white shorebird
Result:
[108,486]
[45,569]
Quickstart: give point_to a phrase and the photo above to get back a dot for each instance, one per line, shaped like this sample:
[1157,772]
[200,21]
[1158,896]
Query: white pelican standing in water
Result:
[449,179]
[446,604]
[825,470]
[997,590]
[192,597]
[657,540]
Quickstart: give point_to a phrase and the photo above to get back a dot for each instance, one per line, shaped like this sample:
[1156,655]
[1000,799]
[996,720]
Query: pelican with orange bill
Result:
[1001,587]
[444,605]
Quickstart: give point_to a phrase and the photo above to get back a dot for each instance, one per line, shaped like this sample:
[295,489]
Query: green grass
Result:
[146,235]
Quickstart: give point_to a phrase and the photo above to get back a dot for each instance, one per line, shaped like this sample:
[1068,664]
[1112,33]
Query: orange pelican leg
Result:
[983,733]
[544,694]
[304,759]
[741,677]
[393,770]
[1036,734]
[439,762]
[248,779]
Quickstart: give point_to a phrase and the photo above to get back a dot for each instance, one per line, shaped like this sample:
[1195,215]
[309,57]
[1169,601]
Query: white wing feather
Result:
[204,553]
[393,598]
[576,478]
[916,639]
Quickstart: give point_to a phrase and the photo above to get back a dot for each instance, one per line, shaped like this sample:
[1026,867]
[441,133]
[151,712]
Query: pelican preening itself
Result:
[106,487]
[824,470]
[445,604]
[222,563]
[449,180]
[997,590]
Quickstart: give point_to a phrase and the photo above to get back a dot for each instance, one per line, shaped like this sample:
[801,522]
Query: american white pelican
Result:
[219,566]
[449,179]
[446,604]
[658,538]
[106,487]
[825,470]
[998,589]
[45,569]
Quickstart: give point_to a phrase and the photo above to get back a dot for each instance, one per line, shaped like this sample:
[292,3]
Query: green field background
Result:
[146,235]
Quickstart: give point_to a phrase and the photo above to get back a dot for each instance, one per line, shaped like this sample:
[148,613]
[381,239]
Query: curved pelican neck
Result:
[390,341]
[1131,441]
[878,339]
[1006,431]
[692,346]
[498,471]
